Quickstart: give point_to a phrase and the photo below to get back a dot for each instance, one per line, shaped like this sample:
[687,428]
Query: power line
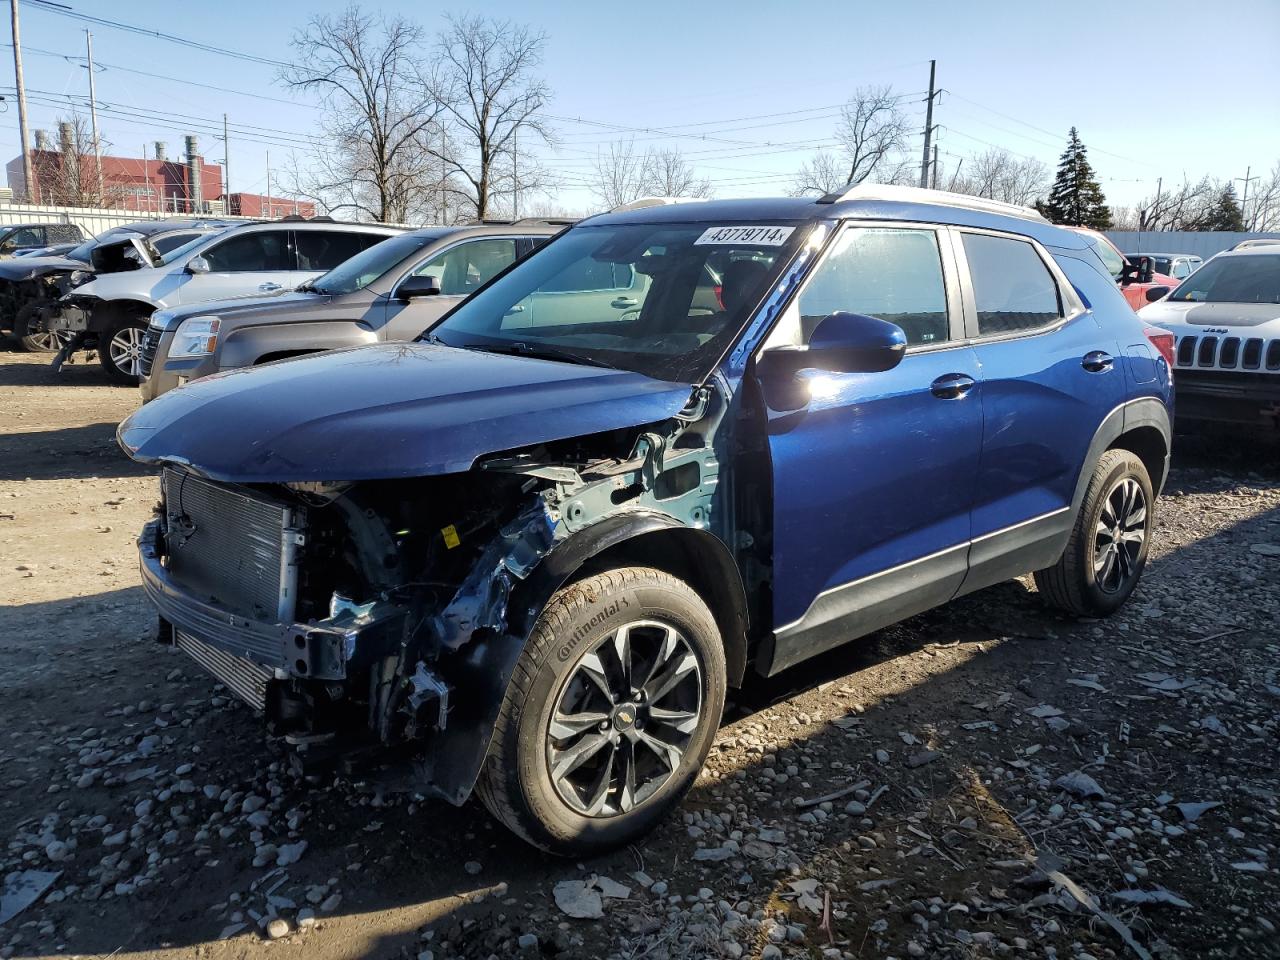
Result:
[64,11]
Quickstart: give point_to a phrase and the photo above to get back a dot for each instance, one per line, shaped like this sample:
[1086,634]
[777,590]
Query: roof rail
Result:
[887,191]
[1252,243]
[551,221]
[642,202]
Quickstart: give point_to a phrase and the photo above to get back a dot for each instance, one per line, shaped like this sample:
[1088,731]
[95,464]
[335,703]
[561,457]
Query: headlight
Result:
[196,337]
[80,276]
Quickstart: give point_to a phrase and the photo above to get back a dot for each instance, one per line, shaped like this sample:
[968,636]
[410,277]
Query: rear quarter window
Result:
[1013,290]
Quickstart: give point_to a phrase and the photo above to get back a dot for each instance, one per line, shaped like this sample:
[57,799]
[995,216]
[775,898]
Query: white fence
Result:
[92,219]
[1200,243]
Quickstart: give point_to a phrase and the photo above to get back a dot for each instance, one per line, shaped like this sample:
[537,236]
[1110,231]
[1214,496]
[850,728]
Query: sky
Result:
[747,90]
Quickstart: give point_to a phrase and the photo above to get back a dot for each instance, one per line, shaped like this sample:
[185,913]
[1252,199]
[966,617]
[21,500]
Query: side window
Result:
[1110,259]
[1181,269]
[62,233]
[171,242]
[325,249]
[248,252]
[27,237]
[891,273]
[1013,290]
[464,268]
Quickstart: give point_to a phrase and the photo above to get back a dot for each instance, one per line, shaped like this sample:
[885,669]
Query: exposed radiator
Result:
[231,548]
[246,679]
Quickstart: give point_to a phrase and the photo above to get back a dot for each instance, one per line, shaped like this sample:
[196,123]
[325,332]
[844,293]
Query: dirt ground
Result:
[988,779]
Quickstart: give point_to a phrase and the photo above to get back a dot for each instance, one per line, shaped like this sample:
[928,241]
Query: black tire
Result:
[1074,583]
[34,342]
[516,782]
[123,368]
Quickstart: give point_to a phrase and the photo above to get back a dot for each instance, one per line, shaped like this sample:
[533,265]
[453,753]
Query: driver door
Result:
[460,269]
[242,265]
[873,477]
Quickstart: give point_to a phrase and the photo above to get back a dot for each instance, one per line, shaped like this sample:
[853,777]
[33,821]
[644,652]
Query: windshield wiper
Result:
[543,352]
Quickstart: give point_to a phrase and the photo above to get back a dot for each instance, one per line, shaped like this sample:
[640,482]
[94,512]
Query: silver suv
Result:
[392,291]
[111,313]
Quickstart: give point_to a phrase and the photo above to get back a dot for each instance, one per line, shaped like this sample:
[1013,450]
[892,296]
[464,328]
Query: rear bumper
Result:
[1247,399]
[312,651]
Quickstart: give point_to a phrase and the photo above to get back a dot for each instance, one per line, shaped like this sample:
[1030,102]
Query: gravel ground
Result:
[988,779]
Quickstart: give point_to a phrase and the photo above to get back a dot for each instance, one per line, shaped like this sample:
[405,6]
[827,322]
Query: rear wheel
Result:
[120,349]
[609,714]
[26,328]
[1107,551]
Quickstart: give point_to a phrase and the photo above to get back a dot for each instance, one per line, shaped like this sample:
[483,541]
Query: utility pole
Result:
[93,115]
[27,173]
[268,184]
[1244,197]
[515,176]
[928,125]
[226,168]
[934,179]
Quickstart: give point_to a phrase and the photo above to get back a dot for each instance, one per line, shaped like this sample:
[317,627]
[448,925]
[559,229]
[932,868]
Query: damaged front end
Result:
[382,618]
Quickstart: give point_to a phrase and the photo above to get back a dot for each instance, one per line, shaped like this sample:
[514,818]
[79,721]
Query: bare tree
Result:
[821,174]
[487,80]
[618,174]
[69,175]
[873,132]
[1000,175]
[1263,213]
[1187,207]
[668,174]
[378,155]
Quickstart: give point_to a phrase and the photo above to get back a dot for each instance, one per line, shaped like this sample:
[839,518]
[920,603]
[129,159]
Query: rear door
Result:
[1049,378]
[460,268]
[873,478]
[243,264]
[590,291]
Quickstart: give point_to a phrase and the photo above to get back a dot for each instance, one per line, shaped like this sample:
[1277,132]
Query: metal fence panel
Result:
[92,219]
[1200,243]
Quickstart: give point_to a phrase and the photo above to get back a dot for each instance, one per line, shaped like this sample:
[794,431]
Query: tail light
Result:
[1163,341]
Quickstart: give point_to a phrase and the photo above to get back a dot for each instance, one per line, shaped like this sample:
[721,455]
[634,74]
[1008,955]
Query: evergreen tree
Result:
[1225,214]
[1076,199]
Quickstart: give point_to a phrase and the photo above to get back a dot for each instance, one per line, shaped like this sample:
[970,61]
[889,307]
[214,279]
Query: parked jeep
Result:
[111,313]
[534,548]
[28,284]
[391,291]
[1226,317]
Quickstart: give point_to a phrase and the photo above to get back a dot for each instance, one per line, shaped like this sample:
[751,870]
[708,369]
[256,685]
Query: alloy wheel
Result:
[1119,536]
[624,719]
[51,342]
[125,350]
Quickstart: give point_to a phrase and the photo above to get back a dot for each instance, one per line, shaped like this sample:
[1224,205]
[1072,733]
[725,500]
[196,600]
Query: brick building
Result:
[154,184]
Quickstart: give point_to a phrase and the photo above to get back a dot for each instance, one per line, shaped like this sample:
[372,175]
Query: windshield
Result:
[178,253]
[1110,257]
[663,299]
[1250,279]
[371,263]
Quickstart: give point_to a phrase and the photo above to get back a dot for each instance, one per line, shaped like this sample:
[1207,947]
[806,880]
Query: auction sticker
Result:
[756,236]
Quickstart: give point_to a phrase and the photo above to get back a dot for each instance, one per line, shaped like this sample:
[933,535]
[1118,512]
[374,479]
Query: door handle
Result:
[1097,361]
[621,302]
[951,386]
[269,286]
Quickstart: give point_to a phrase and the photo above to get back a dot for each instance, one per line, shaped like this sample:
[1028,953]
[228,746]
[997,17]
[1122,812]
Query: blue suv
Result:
[530,551]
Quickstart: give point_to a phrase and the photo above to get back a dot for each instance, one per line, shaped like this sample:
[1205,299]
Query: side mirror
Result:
[198,265]
[424,286]
[841,343]
[1146,270]
[1157,293]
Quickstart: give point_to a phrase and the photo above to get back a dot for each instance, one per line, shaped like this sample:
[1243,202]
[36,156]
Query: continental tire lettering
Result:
[582,631]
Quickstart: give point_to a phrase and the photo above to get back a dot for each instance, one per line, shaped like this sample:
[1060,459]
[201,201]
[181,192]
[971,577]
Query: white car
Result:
[111,312]
[1226,317]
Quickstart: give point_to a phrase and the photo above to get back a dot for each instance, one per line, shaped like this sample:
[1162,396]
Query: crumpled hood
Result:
[385,411]
[24,268]
[1191,313]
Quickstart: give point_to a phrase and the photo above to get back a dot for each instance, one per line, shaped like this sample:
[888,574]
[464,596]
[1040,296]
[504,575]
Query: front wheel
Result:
[27,328]
[1108,547]
[609,714]
[120,350]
